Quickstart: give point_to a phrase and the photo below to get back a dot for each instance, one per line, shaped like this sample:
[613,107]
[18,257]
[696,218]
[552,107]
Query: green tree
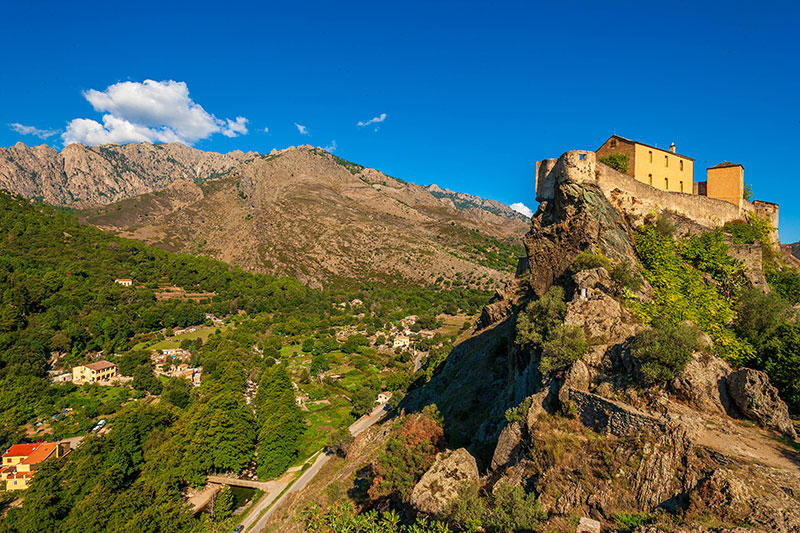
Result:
[664,350]
[281,422]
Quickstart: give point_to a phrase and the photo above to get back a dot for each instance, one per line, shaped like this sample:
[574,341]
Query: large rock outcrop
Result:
[757,399]
[439,486]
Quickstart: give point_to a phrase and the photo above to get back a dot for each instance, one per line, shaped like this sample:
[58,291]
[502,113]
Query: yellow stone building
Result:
[94,372]
[662,169]
[726,182]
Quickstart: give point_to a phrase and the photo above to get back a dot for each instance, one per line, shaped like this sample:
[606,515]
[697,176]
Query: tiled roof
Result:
[100,365]
[726,164]
[650,146]
[41,453]
[21,450]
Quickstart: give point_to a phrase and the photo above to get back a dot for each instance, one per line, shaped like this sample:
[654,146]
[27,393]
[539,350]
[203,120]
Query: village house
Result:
[401,341]
[21,461]
[94,372]
[384,397]
[125,282]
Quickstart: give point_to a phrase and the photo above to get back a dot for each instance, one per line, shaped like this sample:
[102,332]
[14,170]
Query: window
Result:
[681,165]
[666,160]
[582,157]
[666,184]
[613,143]
[681,186]
[651,179]
[651,156]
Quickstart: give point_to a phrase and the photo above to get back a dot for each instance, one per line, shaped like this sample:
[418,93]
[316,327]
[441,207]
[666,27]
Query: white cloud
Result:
[519,207]
[332,147]
[152,111]
[302,129]
[31,130]
[374,120]
[265,130]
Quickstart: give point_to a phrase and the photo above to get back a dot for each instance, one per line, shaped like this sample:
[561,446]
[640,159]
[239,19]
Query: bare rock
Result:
[757,399]
[596,279]
[587,525]
[702,384]
[603,319]
[508,445]
[439,486]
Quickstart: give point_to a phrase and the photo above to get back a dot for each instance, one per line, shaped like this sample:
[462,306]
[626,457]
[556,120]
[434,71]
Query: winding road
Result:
[256,522]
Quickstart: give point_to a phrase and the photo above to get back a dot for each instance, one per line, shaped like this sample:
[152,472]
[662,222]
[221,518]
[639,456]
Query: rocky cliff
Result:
[707,449]
[81,176]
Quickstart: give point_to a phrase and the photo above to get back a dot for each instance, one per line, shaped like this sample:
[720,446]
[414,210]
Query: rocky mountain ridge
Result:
[306,213]
[83,176]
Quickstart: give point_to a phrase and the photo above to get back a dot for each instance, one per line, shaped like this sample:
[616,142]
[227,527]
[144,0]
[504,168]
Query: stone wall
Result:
[636,199]
[752,257]
[607,416]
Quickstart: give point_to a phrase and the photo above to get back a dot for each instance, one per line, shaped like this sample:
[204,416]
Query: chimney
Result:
[672,148]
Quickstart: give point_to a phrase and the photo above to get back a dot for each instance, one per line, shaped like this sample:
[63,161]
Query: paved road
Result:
[323,457]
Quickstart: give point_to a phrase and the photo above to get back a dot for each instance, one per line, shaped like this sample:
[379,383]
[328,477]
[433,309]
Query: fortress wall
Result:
[635,198]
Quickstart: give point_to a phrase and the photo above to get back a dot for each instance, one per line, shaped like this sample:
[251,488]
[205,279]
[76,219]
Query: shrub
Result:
[618,162]
[339,442]
[565,345]
[625,277]
[664,226]
[785,282]
[759,315]
[587,260]
[541,317]
[663,351]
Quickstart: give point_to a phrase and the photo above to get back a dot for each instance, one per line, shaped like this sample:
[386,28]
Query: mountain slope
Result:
[82,176]
[312,215]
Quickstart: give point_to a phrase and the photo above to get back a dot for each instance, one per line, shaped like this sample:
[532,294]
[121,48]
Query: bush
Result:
[565,345]
[759,315]
[663,351]
[785,282]
[339,442]
[618,162]
[664,226]
[625,277]
[541,317]
[587,260]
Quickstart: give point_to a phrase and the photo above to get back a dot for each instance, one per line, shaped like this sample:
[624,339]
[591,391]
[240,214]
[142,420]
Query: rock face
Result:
[81,176]
[439,486]
[578,218]
[702,384]
[758,400]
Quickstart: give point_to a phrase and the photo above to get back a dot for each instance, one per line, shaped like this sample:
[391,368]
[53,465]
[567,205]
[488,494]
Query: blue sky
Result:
[473,92]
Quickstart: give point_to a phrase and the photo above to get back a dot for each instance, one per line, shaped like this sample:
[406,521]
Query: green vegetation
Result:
[343,518]
[507,508]
[664,350]
[60,306]
[617,161]
[564,345]
[679,293]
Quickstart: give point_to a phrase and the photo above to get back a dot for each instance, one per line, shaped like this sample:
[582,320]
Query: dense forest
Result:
[61,306]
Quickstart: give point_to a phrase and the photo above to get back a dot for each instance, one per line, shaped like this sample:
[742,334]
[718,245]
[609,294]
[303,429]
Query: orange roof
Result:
[41,453]
[20,475]
[99,365]
[21,450]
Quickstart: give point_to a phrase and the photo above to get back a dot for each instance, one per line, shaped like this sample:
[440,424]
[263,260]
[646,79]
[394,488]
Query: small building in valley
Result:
[94,372]
[21,461]
[125,282]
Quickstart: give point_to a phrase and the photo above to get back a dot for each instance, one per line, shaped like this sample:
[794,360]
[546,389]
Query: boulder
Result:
[603,319]
[758,400]
[587,525]
[702,384]
[439,486]
[508,445]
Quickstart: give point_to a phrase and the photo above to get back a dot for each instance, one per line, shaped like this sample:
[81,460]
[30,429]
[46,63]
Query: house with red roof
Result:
[21,461]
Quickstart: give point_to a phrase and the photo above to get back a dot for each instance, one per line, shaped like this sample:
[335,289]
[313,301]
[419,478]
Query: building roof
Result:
[649,146]
[123,279]
[99,365]
[21,450]
[726,164]
[42,452]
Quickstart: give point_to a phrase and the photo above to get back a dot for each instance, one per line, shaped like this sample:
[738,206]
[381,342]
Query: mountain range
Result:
[300,211]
